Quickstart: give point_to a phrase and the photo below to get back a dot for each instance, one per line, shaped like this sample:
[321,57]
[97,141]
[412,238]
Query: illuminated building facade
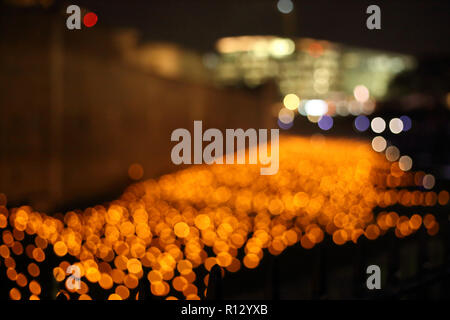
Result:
[349,79]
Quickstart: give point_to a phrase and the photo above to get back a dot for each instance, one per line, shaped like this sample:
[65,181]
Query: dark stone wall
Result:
[74,115]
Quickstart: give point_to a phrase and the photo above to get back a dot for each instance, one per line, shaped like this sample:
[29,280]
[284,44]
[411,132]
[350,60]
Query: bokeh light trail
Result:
[168,229]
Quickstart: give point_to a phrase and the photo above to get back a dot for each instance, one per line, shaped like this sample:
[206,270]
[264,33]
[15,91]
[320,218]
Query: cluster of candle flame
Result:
[164,230]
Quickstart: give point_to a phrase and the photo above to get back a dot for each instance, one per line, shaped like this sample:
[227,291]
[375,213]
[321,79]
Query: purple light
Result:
[325,123]
[362,123]
[407,123]
[285,126]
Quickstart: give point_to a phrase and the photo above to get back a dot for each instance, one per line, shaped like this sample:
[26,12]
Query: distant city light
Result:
[361,93]
[286,115]
[210,60]
[407,123]
[378,125]
[368,107]
[379,144]
[342,109]
[352,79]
[355,107]
[362,123]
[282,47]
[405,163]
[396,125]
[301,108]
[313,119]
[325,123]
[135,171]
[291,101]
[285,126]
[316,107]
[392,153]
[428,181]
[285,6]
[331,108]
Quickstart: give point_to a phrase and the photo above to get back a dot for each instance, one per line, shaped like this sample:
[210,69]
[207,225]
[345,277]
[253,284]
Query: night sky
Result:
[408,26]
